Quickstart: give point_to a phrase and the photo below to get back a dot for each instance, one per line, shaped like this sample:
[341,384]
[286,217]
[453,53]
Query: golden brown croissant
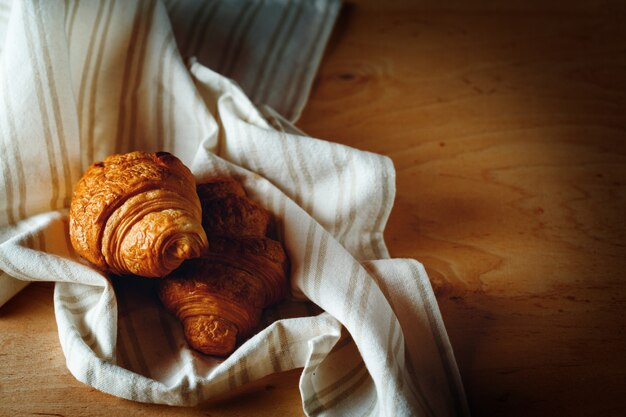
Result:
[226,210]
[137,213]
[220,296]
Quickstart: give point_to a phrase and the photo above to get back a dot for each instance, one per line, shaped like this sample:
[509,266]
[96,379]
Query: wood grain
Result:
[507,127]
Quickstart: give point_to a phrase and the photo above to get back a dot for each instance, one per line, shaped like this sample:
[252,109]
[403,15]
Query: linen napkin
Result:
[271,48]
[375,345]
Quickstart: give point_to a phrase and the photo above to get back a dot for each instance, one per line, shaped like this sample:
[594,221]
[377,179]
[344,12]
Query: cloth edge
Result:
[334,9]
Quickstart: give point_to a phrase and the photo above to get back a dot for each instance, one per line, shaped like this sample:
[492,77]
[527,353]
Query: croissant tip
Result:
[211,335]
[180,249]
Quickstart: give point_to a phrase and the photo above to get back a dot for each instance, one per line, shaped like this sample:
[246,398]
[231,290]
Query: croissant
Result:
[137,213]
[226,210]
[220,296]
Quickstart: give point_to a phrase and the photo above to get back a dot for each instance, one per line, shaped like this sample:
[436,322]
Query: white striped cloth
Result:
[271,48]
[74,92]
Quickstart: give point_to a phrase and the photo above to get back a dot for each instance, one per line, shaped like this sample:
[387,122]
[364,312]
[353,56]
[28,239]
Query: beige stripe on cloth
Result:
[108,77]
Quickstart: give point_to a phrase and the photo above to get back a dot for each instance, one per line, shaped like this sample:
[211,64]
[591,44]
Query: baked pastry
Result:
[220,296]
[137,213]
[227,211]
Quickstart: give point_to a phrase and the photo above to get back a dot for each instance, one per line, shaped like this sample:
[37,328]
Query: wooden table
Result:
[506,122]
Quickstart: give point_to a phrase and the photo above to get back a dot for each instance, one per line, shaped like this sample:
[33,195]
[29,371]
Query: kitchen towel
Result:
[375,344]
[271,48]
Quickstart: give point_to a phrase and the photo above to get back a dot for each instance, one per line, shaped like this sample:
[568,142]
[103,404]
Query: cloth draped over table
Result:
[87,79]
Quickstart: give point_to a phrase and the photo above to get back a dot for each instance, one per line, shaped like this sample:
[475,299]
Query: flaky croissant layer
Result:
[137,213]
[220,296]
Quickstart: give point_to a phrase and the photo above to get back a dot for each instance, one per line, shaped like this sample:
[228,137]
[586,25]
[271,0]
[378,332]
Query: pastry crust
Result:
[227,211]
[137,213]
[220,296]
